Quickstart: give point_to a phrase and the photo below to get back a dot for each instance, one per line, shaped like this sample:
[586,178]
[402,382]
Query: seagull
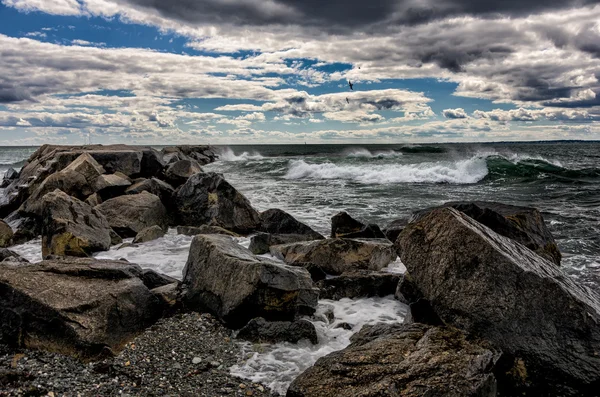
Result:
[351,85]
[347,100]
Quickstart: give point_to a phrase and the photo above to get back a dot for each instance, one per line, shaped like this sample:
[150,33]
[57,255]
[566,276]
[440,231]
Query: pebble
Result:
[196,360]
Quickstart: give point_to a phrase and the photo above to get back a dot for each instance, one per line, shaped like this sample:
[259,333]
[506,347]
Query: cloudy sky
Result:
[277,71]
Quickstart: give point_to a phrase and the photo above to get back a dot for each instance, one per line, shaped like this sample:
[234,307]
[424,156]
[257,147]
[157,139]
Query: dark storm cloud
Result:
[341,14]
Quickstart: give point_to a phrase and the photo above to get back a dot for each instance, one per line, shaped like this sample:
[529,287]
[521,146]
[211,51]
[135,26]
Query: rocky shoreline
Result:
[491,311]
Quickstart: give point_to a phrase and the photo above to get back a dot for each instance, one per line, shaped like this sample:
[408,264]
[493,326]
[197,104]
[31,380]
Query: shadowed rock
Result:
[84,308]
[6,235]
[358,284]
[155,186]
[204,229]
[259,330]
[402,360]
[130,214]
[336,256]
[276,221]
[225,279]
[149,234]
[497,289]
[179,172]
[109,186]
[262,242]
[208,199]
[71,227]
[343,225]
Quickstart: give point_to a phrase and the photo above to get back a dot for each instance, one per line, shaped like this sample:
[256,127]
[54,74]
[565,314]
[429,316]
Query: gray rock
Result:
[522,224]
[208,199]
[394,228]
[25,228]
[93,200]
[180,171]
[343,225]
[84,308]
[262,242]
[11,174]
[276,221]
[6,254]
[109,186]
[128,215]
[71,227]
[204,229]
[402,360]
[336,256]
[229,281]
[149,234]
[155,186]
[358,284]
[6,235]
[259,330]
[497,289]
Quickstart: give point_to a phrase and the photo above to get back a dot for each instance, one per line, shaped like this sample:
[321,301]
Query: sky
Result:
[277,71]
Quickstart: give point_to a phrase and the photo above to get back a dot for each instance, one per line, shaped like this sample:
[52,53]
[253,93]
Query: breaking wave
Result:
[364,153]
[228,155]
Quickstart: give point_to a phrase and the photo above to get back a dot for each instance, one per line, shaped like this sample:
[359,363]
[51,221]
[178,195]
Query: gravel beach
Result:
[185,355]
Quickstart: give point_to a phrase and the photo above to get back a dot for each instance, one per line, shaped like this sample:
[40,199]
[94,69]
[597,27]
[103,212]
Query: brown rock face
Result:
[412,360]
[496,289]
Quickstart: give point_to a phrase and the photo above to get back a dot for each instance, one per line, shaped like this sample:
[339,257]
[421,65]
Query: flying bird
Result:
[351,85]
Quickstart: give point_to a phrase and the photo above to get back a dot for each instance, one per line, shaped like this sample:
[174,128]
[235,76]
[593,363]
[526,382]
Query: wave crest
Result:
[228,155]
[367,154]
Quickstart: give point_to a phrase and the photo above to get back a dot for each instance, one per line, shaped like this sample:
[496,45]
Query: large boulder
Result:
[358,284]
[180,171]
[155,186]
[402,360]
[522,224]
[128,215]
[83,308]
[259,330]
[336,256]
[208,199]
[6,235]
[394,228]
[227,280]
[149,234]
[25,228]
[343,225]
[204,229]
[11,174]
[109,186]
[262,242]
[276,221]
[495,288]
[71,227]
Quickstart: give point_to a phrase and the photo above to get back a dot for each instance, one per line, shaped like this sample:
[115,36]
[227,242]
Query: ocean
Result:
[378,184]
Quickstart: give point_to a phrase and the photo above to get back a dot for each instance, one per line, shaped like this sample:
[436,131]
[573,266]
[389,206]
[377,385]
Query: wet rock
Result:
[180,171]
[83,308]
[276,221]
[402,360]
[149,234]
[6,254]
[109,186]
[497,289]
[6,235]
[155,186]
[343,225]
[204,229]
[72,228]
[208,199]
[25,228]
[262,242]
[128,215]
[153,279]
[336,256]
[115,239]
[11,174]
[358,284]
[229,281]
[522,224]
[394,228]
[259,330]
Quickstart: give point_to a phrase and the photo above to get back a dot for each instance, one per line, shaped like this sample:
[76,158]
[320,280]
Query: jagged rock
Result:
[343,225]
[522,224]
[25,228]
[336,256]
[229,281]
[109,186]
[169,296]
[394,228]
[149,234]
[208,199]
[155,186]
[72,228]
[83,308]
[179,172]
[259,330]
[6,254]
[402,360]
[11,174]
[152,163]
[153,279]
[358,284]
[115,239]
[128,215]
[262,242]
[93,200]
[204,229]
[6,235]
[497,289]
[201,153]
[276,221]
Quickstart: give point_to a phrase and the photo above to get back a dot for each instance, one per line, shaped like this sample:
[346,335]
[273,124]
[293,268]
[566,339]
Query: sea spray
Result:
[226,154]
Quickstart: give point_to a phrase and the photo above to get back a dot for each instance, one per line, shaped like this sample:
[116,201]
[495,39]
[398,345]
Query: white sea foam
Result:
[364,153]
[228,155]
[466,171]
[278,365]
[31,250]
